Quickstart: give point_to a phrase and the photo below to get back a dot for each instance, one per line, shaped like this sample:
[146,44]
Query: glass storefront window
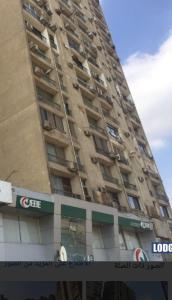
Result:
[122,242]
[73,238]
[21,229]
[98,237]
[132,240]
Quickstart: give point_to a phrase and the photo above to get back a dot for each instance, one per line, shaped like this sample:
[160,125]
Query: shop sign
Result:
[5,192]
[126,222]
[140,255]
[34,204]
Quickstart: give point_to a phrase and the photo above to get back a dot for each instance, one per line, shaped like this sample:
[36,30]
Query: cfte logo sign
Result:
[26,203]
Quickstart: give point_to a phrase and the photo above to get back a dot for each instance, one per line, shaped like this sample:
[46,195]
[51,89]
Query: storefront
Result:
[135,240]
[103,235]
[73,232]
[26,227]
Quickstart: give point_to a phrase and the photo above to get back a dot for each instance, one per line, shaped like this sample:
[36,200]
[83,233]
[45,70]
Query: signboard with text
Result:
[36,205]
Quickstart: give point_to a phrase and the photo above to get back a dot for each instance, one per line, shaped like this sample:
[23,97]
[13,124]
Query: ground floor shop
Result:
[35,227]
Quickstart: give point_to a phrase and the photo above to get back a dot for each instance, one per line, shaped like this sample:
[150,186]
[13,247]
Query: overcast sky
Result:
[142,33]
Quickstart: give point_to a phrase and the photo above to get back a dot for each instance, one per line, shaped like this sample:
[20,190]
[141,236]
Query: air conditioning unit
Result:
[72,167]
[49,11]
[33,46]
[43,20]
[48,71]
[91,35]
[87,132]
[82,52]
[76,86]
[92,89]
[53,27]
[70,64]
[145,171]
[39,2]
[114,156]
[29,26]
[126,134]
[141,179]
[94,160]
[99,47]
[102,189]
[58,11]
[38,71]
[47,125]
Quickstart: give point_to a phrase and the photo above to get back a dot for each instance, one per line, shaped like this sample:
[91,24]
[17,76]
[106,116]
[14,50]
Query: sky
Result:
[142,34]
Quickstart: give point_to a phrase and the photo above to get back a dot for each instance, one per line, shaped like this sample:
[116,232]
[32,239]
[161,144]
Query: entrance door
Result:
[99,250]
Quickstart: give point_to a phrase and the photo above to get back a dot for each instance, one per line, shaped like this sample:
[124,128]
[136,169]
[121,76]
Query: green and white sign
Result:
[36,205]
[126,222]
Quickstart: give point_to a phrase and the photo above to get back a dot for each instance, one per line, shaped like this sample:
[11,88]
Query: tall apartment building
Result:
[69,128]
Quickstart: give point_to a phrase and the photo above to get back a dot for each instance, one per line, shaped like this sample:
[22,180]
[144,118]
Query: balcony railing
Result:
[74,46]
[161,196]
[102,151]
[123,160]
[92,61]
[97,128]
[41,54]
[65,193]
[48,79]
[49,101]
[110,179]
[31,11]
[79,65]
[58,160]
[37,33]
[90,105]
[107,115]
[130,186]
[83,82]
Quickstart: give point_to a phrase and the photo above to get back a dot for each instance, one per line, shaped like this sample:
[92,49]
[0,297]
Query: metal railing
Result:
[37,33]
[31,11]
[49,102]
[130,186]
[41,54]
[90,105]
[110,179]
[58,160]
[102,151]
[97,128]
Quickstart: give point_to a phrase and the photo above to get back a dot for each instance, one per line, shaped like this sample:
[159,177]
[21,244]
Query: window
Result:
[132,240]
[21,229]
[55,153]
[73,237]
[105,170]
[61,185]
[134,202]
[92,122]
[55,120]
[164,211]
[142,148]
[125,177]
[113,131]
[101,145]
[122,242]
[72,130]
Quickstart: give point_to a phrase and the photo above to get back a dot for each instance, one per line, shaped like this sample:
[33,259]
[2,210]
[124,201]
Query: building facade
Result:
[70,131]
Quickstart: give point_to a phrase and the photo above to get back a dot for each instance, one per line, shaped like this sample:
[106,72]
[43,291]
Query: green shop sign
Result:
[126,222]
[102,217]
[35,205]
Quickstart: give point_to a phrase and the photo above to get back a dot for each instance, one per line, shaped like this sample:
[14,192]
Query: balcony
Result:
[65,193]
[49,101]
[102,151]
[90,105]
[97,128]
[81,70]
[123,160]
[39,57]
[44,80]
[93,62]
[130,186]
[106,99]
[58,160]
[37,37]
[111,179]
[66,7]
[109,117]
[161,196]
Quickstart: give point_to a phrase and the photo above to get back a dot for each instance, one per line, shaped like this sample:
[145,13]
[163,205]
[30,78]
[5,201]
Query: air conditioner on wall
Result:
[47,125]
[94,160]
[38,71]
[72,167]
[58,11]
[53,27]
[87,132]
[114,156]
